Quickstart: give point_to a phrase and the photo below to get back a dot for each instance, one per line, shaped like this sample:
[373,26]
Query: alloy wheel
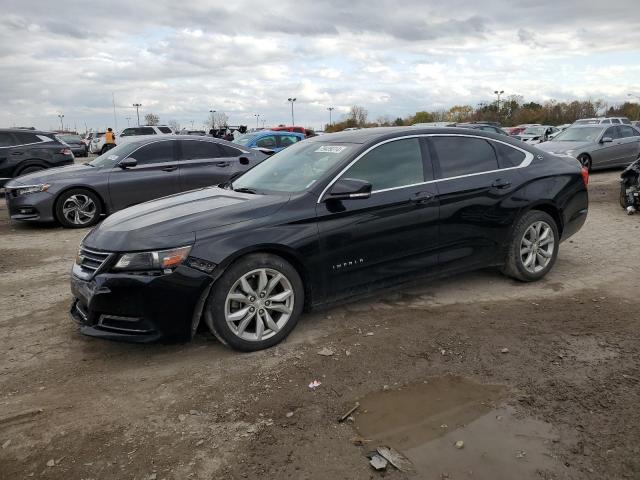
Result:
[537,246]
[79,209]
[259,304]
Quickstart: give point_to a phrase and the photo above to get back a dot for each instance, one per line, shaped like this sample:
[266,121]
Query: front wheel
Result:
[585,161]
[533,247]
[256,303]
[78,208]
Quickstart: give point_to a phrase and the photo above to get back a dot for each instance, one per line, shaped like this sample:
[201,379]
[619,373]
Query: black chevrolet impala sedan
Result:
[324,220]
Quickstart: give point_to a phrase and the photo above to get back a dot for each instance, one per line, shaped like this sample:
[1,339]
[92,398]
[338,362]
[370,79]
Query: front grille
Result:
[91,261]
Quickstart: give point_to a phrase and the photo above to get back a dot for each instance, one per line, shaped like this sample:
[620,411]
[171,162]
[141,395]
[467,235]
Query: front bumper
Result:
[36,207]
[140,308]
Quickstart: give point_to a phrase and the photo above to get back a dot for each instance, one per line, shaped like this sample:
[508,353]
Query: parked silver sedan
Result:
[597,146]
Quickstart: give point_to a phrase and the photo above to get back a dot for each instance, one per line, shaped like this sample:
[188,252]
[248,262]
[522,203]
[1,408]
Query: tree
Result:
[218,120]
[358,115]
[460,113]
[420,117]
[175,126]
[151,119]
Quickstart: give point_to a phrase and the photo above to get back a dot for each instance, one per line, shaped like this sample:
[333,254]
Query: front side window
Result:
[6,140]
[111,157]
[463,155]
[287,140]
[146,131]
[611,132]
[197,149]
[157,152]
[393,164]
[165,129]
[128,132]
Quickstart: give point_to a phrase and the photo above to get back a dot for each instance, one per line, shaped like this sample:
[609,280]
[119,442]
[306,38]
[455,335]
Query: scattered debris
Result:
[521,454]
[315,384]
[6,444]
[504,350]
[50,463]
[378,462]
[348,414]
[347,352]
[199,442]
[385,388]
[396,459]
[359,441]
[289,414]
[443,351]
[182,417]
[326,352]
[459,444]
[194,412]
[444,425]
[368,334]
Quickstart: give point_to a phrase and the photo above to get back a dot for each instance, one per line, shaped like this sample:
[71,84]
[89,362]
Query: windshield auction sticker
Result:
[330,149]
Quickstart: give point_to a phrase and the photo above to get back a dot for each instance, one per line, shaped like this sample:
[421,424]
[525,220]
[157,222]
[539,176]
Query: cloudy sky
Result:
[181,59]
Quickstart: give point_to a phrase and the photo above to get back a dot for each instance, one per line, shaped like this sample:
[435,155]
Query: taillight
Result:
[585,176]
[66,151]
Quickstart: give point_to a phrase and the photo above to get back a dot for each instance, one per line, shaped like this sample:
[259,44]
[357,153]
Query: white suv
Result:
[134,133]
[602,120]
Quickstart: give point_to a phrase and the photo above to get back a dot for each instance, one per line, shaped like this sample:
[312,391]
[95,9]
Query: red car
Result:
[518,129]
[301,130]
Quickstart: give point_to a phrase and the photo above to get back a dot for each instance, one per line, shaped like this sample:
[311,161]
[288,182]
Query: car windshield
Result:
[295,169]
[111,157]
[534,131]
[245,139]
[582,134]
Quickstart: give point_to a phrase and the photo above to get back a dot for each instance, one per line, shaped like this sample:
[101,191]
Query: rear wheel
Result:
[533,248]
[256,303]
[30,169]
[78,208]
[585,161]
[623,196]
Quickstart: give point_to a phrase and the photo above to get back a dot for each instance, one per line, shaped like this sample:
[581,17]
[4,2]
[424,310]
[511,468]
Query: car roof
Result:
[197,138]
[591,125]
[373,135]
[26,130]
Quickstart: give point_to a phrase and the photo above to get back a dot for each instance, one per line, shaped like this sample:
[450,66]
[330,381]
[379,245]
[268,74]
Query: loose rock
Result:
[459,444]
[326,352]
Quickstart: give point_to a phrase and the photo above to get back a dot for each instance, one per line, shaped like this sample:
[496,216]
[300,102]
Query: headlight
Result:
[27,189]
[157,260]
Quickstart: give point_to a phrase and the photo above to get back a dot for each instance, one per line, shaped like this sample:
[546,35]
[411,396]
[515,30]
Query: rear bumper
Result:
[139,308]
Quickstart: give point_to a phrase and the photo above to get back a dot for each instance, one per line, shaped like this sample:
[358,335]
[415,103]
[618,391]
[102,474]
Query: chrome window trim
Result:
[211,141]
[525,163]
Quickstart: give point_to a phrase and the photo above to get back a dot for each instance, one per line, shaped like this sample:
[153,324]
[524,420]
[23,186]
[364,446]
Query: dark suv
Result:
[27,151]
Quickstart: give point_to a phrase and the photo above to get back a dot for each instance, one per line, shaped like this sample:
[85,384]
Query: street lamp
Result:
[128,118]
[213,119]
[137,105]
[330,110]
[257,115]
[60,116]
[291,100]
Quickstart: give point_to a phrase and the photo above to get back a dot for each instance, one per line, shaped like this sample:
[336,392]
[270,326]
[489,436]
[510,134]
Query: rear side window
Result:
[615,120]
[146,131]
[127,132]
[6,140]
[627,131]
[508,156]
[463,156]
[24,138]
[626,121]
[164,129]
[287,140]
[194,149]
[228,151]
[267,142]
[393,164]
[157,152]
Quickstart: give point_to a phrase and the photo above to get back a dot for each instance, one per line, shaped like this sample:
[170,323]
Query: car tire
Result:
[623,196]
[78,208]
[256,302]
[531,251]
[585,161]
[30,169]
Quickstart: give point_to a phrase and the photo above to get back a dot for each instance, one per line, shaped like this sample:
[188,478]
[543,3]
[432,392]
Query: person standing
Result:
[109,139]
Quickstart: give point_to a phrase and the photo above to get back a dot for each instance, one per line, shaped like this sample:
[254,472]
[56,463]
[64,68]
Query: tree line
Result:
[511,111]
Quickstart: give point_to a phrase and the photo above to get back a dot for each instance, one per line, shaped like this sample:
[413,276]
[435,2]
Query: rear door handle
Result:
[172,168]
[501,183]
[223,164]
[17,153]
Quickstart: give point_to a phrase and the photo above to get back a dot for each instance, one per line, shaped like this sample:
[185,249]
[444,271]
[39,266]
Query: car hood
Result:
[52,174]
[174,220]
[562,147]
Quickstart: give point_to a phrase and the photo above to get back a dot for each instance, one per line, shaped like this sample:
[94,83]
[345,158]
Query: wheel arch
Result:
[103,204]
[552,210]
[32,162]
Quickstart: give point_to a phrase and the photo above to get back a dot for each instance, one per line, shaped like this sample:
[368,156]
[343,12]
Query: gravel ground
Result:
[538,380]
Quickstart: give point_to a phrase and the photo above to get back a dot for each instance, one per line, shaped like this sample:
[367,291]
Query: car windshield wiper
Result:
[244,190]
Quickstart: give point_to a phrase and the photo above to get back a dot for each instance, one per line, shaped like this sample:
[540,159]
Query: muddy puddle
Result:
[424,421]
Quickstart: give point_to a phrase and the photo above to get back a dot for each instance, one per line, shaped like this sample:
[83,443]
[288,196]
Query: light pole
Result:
[213,119]
[61,116]
[257,115]
[128,118]
[498,93]
[137,105]
[291,100]
[330,110]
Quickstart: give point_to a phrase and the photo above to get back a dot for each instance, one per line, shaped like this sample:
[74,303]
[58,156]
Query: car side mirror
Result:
[243,161]
[127,163]
[349,189]
[606,140]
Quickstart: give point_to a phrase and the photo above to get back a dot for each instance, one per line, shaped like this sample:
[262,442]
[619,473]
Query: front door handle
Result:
[422,197]
[171,168]
[501,183]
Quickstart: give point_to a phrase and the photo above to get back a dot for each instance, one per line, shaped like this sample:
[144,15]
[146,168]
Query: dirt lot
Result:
[538,381]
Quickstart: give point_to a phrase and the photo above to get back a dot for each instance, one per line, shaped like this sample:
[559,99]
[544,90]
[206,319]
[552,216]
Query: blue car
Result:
[270,140]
